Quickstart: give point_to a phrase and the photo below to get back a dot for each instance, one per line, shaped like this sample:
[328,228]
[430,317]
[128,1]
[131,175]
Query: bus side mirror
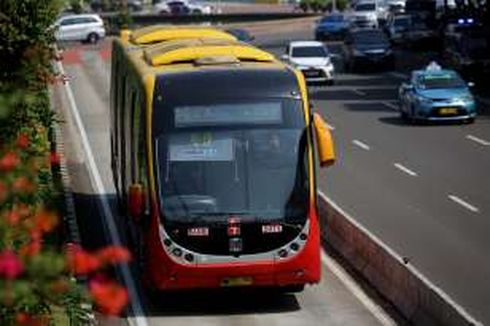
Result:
[324,141]
[136,201]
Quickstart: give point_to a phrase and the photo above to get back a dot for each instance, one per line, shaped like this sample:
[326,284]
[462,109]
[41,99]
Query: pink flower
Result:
[9,162]
[10,265]
[81,262]
[22,141]
[110,297]
[114,255]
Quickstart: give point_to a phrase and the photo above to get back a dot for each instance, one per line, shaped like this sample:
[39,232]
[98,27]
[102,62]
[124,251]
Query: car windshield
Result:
[243,158]
[365,7]
[309,52]
[438,81]
[402,22]
[370,37]
[333,19]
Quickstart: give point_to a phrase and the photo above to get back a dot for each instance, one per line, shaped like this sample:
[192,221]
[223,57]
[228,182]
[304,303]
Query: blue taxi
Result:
[436,94]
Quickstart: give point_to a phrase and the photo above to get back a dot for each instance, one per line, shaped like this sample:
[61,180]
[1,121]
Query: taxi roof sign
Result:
[433,66]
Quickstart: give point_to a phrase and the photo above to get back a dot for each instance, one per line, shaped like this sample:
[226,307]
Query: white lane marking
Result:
[412,269]
[405,169]
[329,126]
[356,290]
[140,319]
[361,144]
[463,203]
[478,140]
[391,105]
[398,75]
[358,92]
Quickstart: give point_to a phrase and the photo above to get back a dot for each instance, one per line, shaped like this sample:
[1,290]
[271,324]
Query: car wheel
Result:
[292,288]
[93,38]
[330,82]
[470,120]
[403,115]
[412,117]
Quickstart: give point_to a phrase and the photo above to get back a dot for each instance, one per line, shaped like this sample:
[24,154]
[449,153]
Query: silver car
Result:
[89,28]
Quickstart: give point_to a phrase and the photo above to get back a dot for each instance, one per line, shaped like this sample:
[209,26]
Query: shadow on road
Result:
[221,302]
[368,107]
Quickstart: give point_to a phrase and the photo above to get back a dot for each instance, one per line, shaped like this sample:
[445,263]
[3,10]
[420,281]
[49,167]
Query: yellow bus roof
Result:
[195,50]
[162,33]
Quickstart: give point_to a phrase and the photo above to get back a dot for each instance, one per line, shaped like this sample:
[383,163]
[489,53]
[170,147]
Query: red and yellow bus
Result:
[213,159]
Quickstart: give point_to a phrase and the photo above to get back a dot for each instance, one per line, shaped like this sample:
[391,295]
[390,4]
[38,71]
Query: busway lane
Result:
[329,303]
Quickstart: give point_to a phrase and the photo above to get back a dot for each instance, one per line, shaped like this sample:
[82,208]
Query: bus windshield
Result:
[222,159]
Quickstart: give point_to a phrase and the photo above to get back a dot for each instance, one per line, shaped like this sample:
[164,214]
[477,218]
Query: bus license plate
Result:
[236,281]
[447,111]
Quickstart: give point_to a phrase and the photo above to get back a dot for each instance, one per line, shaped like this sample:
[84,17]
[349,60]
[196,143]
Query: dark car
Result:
[367,47]
[241,34]
[467,49]
[333,26]
[420,34]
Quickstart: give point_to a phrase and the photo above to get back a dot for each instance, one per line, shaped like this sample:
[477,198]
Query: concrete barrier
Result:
[418,299]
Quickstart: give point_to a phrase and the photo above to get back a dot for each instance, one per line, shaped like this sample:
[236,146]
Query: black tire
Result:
[296,288]
[403,115]
[93,38]
[470,121]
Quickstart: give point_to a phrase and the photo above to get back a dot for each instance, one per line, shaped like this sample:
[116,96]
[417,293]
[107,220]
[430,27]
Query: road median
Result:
[417,299]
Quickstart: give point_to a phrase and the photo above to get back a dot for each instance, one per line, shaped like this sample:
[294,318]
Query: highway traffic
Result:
[422,189]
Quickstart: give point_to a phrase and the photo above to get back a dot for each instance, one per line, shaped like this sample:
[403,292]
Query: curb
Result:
[69,212]
[419,301]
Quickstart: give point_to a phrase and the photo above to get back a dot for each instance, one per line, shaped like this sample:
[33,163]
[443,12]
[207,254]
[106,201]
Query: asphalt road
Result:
[329,303]
[424,190]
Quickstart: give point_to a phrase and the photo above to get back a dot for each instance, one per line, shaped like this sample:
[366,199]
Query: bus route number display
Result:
[228,114]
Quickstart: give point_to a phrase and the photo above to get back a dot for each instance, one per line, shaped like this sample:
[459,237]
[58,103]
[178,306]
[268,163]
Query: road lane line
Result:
[358,92]
[392,106]
[139,319]
[398,75]
[463,203]
[405,169]
[478,140]
[329,126]
[361,144]
[351,285]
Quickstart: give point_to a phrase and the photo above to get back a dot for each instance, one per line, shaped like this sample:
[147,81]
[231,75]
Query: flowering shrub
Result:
[37,276]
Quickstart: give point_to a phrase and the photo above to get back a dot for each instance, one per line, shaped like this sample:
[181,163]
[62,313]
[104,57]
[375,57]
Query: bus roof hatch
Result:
[162,33]
[193,50]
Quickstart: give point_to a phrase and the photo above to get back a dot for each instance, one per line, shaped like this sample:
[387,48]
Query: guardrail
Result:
[113,20]
[418,299]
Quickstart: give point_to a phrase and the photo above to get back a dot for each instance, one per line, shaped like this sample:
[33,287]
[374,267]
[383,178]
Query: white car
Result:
[312,59]
[182,7]
[366,14]
[87,27]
